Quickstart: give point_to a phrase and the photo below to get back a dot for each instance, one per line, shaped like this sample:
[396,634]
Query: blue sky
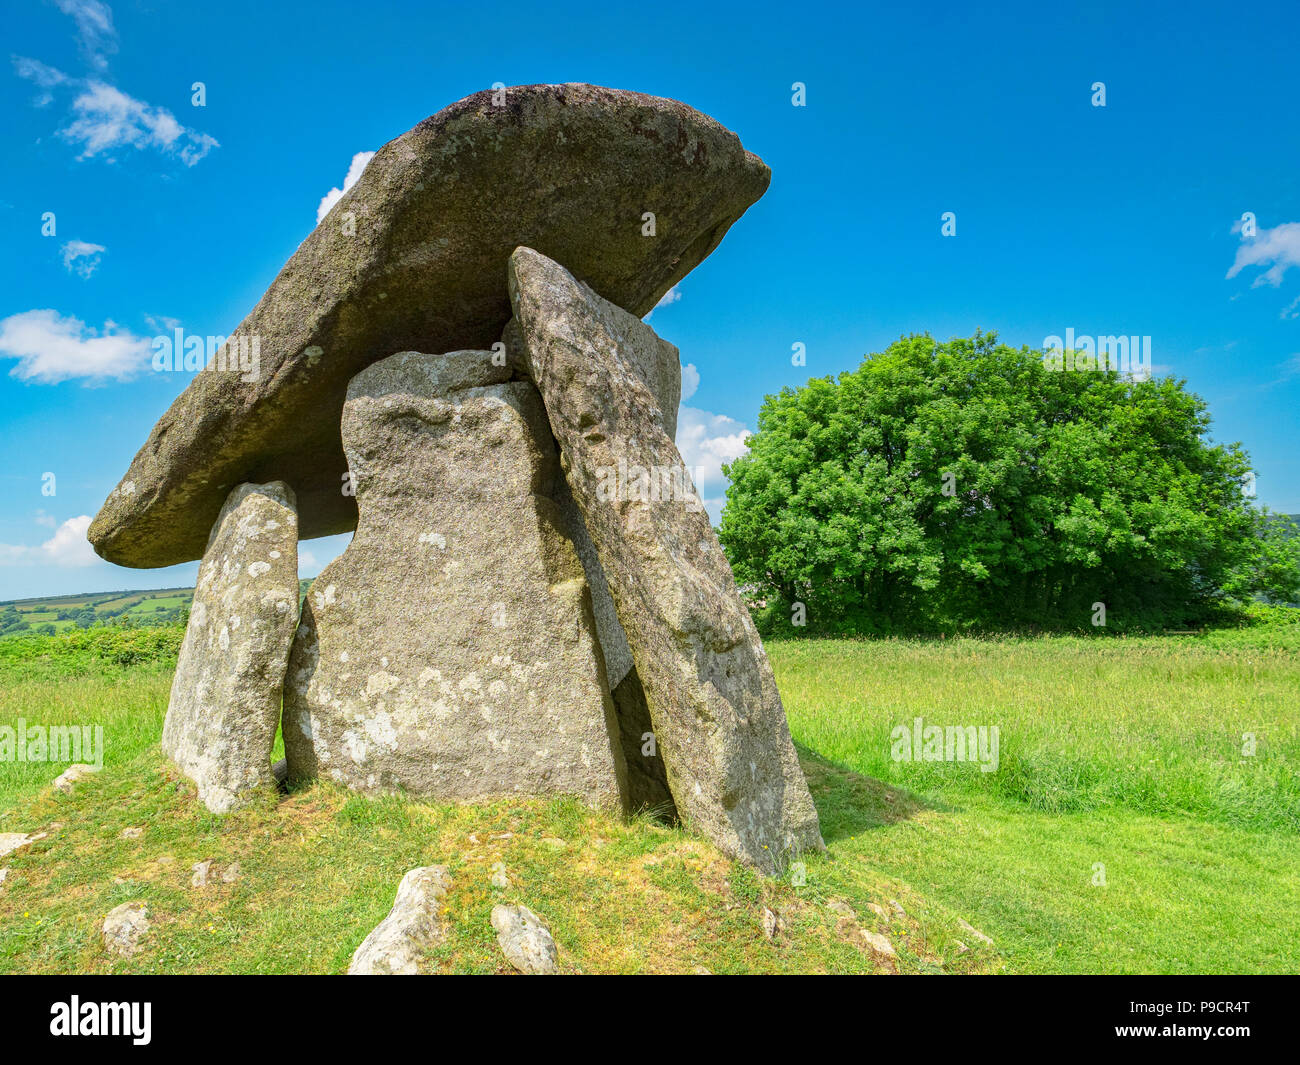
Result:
[1123,219]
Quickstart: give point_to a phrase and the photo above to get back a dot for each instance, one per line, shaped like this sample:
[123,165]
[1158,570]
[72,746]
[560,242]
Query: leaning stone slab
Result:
[718,719]
[398,944]
[657,363]
[225,700]
[630,191]
[450,651]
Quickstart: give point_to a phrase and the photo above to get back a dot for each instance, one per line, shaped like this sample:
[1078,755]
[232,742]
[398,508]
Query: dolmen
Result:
[454,365]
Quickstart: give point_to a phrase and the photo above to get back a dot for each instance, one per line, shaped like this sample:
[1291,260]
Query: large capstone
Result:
[450,651]
[226,693]
[718,720]
[629,191]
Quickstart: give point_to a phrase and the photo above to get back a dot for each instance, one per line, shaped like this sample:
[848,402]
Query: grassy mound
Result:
[319,868]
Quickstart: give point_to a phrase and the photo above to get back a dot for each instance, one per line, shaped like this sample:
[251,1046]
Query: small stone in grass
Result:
[12,841]
[525,940]
[124,926]
[64,781]
[399,944]
[975,933]
[772,923]
[878,943]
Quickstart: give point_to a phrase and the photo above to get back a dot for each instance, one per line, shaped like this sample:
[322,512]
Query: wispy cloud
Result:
[43,77]
[1277,248]
[332,197]
[51,348]
[103,118]
[67,547]
[82,258]
[96,36]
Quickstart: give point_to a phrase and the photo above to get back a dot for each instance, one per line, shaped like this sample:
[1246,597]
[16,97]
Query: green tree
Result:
[943,486]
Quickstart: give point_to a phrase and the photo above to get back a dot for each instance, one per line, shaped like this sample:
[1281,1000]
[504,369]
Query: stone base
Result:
[450,651]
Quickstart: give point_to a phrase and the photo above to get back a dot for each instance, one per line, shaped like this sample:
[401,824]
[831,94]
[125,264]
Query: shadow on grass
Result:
[849,803]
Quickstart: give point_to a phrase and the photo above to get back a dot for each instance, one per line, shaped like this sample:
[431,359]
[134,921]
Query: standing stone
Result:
[450,651]
[225,701]
[718,719]
[397,945]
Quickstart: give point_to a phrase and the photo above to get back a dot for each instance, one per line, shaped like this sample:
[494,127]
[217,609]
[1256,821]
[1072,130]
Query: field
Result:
[62,613]
[159,606]
[1144,816]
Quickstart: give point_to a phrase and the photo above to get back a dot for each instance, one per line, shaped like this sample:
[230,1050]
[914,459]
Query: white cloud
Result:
[45,519]
[1292,309]
[107,118]
[673,295]
[306,561]
[51,348]
[1277,248]
[95,33]
[67,547]
[706,441]
[161,323]
[332,197]
[690,381]
[75,250]
[44,77]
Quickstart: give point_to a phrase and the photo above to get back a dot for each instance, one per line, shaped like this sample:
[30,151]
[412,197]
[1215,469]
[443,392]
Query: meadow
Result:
[1144,817]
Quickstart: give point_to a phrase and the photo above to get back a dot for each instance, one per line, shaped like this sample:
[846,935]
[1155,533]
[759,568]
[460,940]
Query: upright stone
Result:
[225,700]
[717,717]
[450,651]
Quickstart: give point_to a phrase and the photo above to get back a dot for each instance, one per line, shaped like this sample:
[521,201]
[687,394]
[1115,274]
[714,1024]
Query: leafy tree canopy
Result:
[966,484]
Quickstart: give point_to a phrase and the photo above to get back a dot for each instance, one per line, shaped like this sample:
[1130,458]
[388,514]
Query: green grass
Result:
[1118,754]
[1115,755]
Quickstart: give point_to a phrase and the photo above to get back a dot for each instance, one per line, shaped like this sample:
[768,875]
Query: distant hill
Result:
[154,606]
